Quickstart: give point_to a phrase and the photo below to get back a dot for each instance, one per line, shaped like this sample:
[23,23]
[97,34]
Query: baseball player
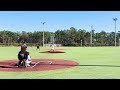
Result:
[53,47]
[28,61]
[38,47]
[22,55]
[24,44]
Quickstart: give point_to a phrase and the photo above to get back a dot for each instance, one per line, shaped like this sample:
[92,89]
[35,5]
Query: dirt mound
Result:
[53,51]
[38,65]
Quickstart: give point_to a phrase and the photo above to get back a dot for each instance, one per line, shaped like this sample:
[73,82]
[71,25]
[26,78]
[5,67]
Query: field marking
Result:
[35,64]
[50,62]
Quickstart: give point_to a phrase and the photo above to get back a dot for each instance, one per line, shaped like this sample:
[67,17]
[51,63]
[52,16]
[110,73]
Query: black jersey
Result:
[22,55]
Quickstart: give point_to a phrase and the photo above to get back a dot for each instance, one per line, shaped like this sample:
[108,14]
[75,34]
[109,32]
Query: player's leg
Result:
[25,62]
[20,63]
[28,63]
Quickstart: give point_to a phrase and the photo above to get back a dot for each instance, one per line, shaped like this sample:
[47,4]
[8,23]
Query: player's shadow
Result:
[6,67]
[87,65]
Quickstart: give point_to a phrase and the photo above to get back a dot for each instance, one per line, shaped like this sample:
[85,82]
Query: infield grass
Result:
[94,63]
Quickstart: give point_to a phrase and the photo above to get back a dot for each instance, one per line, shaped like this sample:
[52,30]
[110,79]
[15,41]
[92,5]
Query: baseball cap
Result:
[23,47]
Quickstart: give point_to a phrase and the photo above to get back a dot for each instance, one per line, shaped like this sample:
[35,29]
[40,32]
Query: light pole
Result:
[119,37]
[53,38]
[115,19]
[91,35]
[43,32]
[94,42]
[81,43]
[119,42]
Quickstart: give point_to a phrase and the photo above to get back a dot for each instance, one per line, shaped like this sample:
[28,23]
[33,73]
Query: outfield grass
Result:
[95,63]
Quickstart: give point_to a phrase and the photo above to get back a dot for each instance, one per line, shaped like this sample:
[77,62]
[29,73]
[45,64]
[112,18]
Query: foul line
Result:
[35,64]
[50,62]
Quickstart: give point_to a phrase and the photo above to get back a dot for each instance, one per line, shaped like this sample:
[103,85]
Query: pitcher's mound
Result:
[53,51]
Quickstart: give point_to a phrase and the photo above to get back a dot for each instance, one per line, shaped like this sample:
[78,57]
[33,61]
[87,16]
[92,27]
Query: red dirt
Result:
[51,51]
[58,49]
[43,64]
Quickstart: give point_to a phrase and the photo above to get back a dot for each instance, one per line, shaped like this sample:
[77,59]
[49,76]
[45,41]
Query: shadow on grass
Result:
[87,65]
[68,65]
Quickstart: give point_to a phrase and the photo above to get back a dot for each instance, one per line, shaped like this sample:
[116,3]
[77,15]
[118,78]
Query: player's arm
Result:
[29,58]
[26,55]
[19,56]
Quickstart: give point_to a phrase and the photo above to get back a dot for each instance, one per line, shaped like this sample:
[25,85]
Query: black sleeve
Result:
[19,56]
[26,55]
[22,57]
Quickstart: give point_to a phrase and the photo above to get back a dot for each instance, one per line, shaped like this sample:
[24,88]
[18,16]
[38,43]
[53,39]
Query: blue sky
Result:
[31,20]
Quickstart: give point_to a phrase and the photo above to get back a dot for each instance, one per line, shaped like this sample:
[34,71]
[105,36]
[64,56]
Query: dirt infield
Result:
[58,49]
[39,65]
[51,51]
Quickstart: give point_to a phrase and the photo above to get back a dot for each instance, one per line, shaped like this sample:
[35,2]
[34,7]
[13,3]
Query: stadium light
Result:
[119,42]
[81,43]
[95,42]
[43,31]
[91,35]
[115,19]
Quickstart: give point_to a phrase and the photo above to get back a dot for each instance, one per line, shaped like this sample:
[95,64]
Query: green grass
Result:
[109,57]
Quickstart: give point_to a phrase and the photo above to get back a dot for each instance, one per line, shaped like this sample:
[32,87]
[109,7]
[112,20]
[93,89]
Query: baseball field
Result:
[92,63]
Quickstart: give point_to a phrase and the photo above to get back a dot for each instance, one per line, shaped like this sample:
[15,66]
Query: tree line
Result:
[69,37]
